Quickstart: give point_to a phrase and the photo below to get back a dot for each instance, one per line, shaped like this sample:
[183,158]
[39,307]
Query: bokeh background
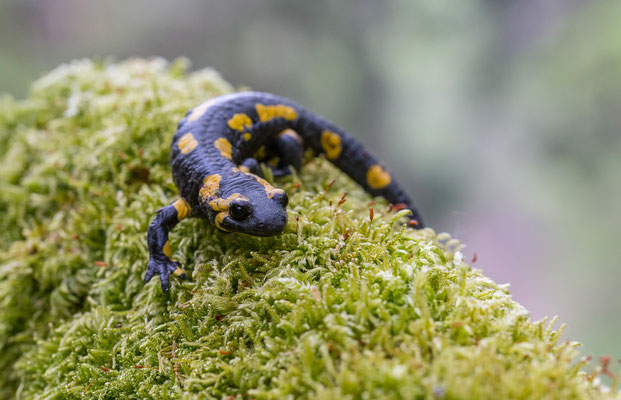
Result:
[502,118]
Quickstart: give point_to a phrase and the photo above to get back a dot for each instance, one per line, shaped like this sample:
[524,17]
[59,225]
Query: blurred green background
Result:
[502,118]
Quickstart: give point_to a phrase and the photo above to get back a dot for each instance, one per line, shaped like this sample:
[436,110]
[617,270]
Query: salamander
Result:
[215,156]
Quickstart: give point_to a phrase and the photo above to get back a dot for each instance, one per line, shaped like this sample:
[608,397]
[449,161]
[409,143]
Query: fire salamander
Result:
[215,157]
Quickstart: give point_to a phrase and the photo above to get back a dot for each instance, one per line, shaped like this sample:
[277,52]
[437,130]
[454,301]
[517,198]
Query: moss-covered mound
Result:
[339,306]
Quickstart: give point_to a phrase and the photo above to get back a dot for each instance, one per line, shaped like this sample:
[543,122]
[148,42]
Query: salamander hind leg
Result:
[160,253]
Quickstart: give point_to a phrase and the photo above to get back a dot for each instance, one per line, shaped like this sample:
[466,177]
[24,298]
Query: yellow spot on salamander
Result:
[240,121]
[178,271]
[183,208]
[260,154]
[263,182]
[244,169]
[220,218]
[219,204]
[377,177]
[224,146]
[273,192]
[270,190]
[166,249]
[187,143]
[198,111]
[331,143]
[247,136]
[268,113]
[211,184]
[291,133]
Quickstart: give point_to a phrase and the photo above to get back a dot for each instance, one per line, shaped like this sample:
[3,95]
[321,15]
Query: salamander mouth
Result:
[270,227]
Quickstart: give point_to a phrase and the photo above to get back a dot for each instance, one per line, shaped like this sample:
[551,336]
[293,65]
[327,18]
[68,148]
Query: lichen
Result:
[338,306]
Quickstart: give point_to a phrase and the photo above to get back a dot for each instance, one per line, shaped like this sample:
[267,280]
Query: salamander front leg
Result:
[251,165]
[290,153]
[160,261]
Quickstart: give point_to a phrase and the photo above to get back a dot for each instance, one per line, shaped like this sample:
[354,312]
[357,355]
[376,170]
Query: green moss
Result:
[338,306]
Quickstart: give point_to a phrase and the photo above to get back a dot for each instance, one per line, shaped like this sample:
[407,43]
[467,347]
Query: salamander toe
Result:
[164,268]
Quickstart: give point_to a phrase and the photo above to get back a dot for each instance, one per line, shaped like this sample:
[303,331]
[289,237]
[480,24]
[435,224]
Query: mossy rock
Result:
[338,306]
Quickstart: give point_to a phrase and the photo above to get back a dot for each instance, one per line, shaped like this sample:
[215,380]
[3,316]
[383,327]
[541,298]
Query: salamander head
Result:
[257,208]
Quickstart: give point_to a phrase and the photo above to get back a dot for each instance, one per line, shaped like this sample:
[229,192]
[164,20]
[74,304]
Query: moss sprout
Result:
[337,307]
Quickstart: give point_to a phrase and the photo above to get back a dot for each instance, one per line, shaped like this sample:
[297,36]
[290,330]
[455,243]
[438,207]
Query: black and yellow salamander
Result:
[215,157]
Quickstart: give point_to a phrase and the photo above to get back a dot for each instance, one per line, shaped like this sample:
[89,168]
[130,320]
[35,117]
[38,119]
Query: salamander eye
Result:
[239,210]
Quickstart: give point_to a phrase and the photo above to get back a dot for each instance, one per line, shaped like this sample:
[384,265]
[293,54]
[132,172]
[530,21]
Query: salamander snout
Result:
[271,226]
[267,219]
